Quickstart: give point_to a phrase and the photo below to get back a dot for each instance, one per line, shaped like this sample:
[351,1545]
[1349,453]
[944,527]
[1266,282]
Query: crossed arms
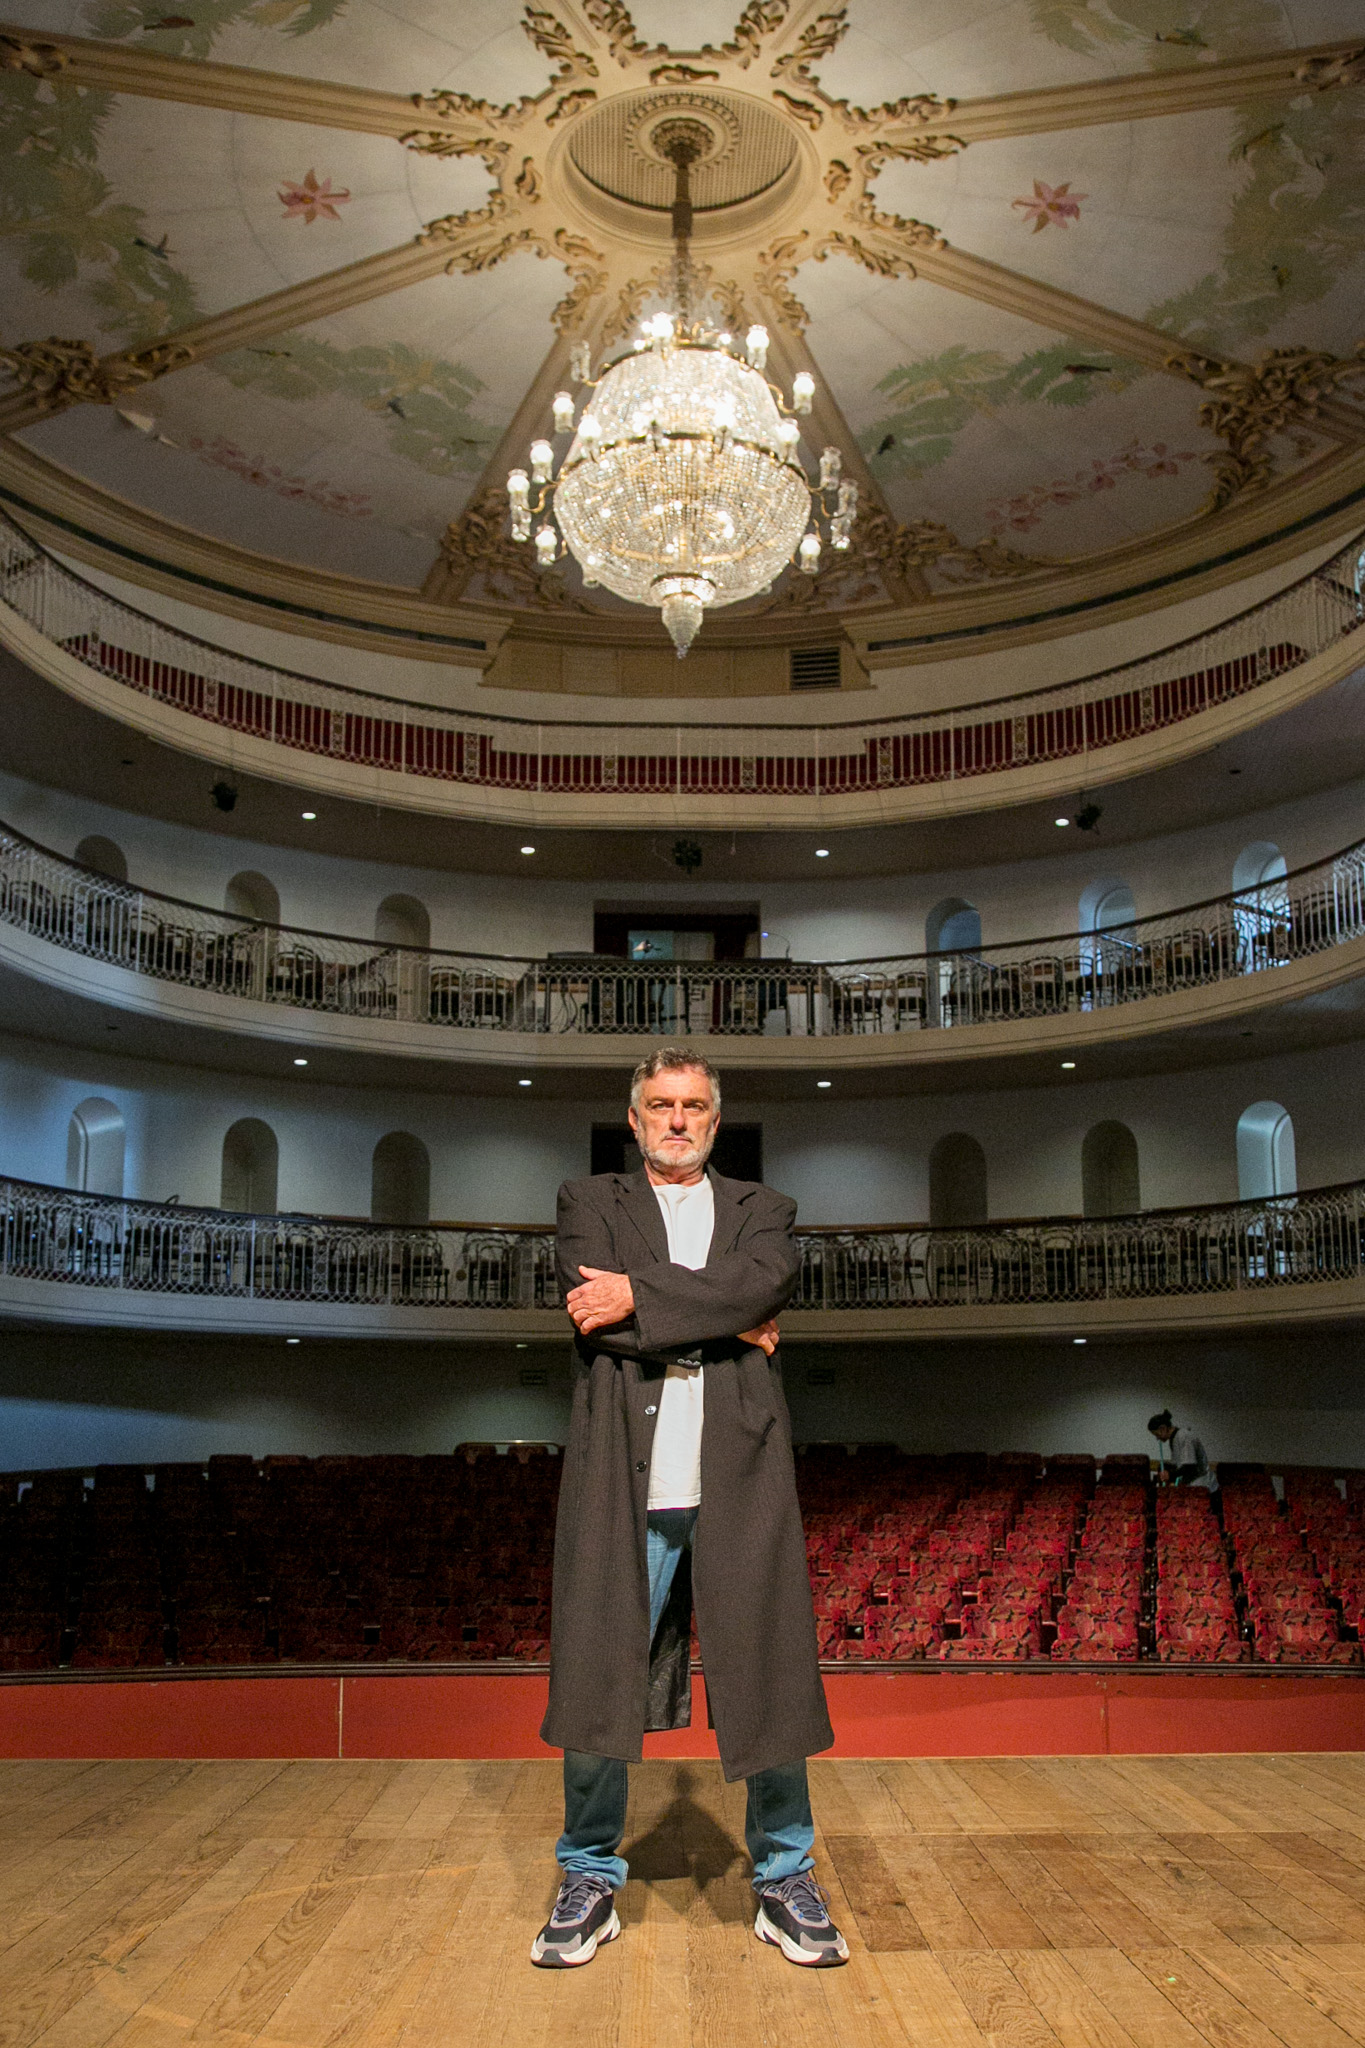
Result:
[654,1307]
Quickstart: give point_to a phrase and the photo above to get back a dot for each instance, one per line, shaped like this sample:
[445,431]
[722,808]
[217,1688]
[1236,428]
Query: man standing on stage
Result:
[678,1487]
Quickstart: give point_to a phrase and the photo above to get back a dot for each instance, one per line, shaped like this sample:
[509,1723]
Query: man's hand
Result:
[603,1299]
[765,1338]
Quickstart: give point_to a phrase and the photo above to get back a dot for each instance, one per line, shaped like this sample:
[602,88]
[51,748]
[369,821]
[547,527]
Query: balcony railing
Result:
[757,768]
[103,1242]
[1227,938]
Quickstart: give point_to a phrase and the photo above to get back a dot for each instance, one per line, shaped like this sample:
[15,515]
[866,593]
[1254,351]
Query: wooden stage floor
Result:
[1030,1903]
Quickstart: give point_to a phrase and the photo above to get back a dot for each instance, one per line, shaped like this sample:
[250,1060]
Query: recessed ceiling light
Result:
[1067,1065]
[309,816]
[300,1063]
[523,1084]
[521,1347]
[528,849]
[824,1084]
[1080,1340]
[292,1340]
[1061,821]
[822,853]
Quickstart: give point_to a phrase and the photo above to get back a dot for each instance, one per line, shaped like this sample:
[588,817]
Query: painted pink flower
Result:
[1051,203]
[311,201]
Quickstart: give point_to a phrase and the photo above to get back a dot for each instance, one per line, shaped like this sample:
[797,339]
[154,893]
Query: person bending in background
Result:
[1189,1464]
[679,1483]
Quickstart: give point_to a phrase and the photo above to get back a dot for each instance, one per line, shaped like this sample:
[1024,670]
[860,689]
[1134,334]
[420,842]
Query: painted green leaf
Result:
[937,396]
[203,21]
[423,401]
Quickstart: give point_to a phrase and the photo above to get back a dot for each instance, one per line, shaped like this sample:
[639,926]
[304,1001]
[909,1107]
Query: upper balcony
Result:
[102,1260]
[467,763]
[1168,983]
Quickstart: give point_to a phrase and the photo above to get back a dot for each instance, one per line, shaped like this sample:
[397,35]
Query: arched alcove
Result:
[402,921]
[1107,905]
[1266,1162]
[400,1180]
[953,926]
[1258,866]
[251,1168]
[252,895]
[957,1180]
[1110,1184]
[103,857]
[94,1147]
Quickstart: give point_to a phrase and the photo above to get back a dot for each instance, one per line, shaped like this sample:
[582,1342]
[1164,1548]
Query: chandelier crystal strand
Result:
[682,487]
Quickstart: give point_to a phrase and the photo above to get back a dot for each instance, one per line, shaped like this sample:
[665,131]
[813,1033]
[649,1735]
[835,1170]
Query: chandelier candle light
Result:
[683,486]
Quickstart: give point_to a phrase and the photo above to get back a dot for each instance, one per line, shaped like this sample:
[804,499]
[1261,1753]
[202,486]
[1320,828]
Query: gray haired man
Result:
[678,1489]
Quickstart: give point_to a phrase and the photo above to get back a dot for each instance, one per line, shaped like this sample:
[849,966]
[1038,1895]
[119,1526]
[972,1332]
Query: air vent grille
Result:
[815,668]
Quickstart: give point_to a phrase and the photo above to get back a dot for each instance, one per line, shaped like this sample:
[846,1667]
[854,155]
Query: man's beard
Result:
[670,1160]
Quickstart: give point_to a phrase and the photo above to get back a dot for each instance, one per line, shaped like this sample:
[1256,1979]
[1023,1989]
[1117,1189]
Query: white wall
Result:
[828,919]
[85,1398]
[845,1158]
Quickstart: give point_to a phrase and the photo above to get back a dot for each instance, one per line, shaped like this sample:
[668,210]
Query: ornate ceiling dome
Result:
[290,285]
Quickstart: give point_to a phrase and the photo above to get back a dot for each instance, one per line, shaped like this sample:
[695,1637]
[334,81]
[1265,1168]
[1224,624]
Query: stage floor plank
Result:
[1042,1902]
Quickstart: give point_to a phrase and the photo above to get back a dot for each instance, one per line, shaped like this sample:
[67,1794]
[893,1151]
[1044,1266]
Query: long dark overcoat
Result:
[749,1579]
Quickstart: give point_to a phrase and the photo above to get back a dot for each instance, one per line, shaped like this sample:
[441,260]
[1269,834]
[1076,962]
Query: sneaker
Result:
[584,1915]
[794,1915]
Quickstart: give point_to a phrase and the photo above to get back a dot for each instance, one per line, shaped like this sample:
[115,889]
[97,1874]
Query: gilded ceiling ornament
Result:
[478,544]
[527,183]
[586,266]
[804,111]
[838,178]
[440,142]
[1251,403]
[39,60]
[1322,73]
[680,74]
[884,551]
[825,33]
[916,149]
[723,293]
[760,19]
[554,41]
[58,372]
[614,21]
[774,269]
[922,108]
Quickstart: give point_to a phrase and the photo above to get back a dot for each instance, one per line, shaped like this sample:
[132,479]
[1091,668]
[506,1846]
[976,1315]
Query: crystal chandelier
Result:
[683,485]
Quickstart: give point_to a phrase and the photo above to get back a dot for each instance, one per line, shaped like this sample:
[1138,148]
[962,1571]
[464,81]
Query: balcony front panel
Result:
[76,1258]
[144,952]
[1019,749]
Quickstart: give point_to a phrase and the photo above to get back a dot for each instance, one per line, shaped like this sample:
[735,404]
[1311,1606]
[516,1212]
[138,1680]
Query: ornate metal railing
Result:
[755,765]
[104,1242]
[1224,939]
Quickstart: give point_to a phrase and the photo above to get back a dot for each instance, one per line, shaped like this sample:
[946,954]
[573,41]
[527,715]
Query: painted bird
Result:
[888,443]
[160,248]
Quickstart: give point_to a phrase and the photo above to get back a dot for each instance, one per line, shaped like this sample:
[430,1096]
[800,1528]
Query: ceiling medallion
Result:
[683,486]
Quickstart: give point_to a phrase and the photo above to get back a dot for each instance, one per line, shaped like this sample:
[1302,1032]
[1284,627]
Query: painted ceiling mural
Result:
[298,307]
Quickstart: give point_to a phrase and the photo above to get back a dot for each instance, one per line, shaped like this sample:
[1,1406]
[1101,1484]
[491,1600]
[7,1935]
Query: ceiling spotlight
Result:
[824,1084]
[1063,822]
[300,1063]
[1080,1340]
[1067,1065]
[523,1084]
[308,815]
[1088,817]
[224,796]
[822,853]
[292,1340]
[528,849]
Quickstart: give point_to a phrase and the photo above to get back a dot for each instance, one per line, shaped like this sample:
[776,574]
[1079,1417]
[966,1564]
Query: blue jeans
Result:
[778,1829]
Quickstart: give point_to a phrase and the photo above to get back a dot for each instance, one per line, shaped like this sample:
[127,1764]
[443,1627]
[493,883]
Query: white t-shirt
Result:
[689,1215]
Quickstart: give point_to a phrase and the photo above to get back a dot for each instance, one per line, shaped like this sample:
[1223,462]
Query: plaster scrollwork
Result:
[479,545]
[617,24]
[1347,67]
[39,60]
[474,251]
[724,294]
[587,268]
[1249,404]
[58,372]
[886,552]
[563,97]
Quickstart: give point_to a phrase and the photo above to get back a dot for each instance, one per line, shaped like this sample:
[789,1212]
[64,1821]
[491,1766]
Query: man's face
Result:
[676,1124]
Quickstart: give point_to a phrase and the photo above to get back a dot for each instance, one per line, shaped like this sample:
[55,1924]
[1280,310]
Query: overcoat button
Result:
[639,1464]
[651,1410]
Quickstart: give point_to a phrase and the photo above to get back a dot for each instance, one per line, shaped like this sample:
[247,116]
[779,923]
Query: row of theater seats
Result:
[447,1560]
[423,1559]
[976,1560]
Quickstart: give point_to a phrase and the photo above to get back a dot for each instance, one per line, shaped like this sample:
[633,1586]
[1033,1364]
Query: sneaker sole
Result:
[828,1959]
[547,1957]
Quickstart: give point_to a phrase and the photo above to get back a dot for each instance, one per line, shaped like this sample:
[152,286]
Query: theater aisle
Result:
[1161,1902]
